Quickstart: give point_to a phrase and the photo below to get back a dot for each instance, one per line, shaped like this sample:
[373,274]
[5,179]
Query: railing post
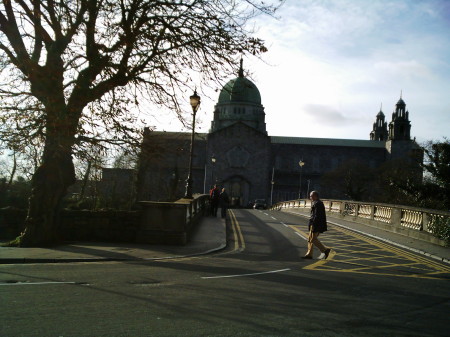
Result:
[425,220]
[396,216]
[342,208]
[372,212]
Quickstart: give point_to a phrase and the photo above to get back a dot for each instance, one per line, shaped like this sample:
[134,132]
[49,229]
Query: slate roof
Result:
[284,140]
[327,142]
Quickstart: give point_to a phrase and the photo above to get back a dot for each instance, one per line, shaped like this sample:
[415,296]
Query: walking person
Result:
[224,202]
[214,195]
[317,225]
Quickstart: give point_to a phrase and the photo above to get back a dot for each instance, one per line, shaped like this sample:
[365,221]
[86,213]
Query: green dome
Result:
[240,90]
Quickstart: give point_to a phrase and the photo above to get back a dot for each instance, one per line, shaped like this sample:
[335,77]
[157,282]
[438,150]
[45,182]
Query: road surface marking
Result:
[393,243]
[237,233]
[284,224]
[301,236]
[248,274]
[33,283]
[273,218]
[299,232]
[397,251]
[360,254]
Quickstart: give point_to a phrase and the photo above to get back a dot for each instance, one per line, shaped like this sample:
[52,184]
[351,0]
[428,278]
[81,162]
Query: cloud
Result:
[326,115]
[410,69]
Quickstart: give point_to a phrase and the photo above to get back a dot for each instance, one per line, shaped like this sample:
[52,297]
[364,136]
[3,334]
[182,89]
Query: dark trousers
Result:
[224,211]
[214,207]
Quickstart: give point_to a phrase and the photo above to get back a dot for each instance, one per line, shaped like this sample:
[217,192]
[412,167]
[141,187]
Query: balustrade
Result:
[382,214]
[365,211]
[411,219]
[335,207]
[397,216]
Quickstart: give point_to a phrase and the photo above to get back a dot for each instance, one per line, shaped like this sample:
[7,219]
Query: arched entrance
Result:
[238,190]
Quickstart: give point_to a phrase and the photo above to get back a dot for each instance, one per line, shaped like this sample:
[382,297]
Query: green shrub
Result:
[440,227]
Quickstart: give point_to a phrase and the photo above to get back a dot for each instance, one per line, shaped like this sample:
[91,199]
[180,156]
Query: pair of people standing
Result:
[219,199]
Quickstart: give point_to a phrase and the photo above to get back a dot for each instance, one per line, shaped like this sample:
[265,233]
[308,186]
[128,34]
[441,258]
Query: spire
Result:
[241,68]
[401,93]
[380,113]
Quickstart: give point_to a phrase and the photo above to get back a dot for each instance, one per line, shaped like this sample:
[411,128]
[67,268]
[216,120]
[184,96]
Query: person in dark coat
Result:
[214,196]
[224,202]
[317,225]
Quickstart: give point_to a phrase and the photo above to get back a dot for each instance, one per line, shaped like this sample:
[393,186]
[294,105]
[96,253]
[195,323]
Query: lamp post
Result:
[308,187]
[195,104]
[271,189]
[301,163]
[213,163]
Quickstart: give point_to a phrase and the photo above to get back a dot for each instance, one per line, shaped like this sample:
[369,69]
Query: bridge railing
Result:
[171,222]
[404,217]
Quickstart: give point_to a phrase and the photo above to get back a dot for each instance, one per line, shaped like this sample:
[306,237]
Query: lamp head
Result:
[195,101]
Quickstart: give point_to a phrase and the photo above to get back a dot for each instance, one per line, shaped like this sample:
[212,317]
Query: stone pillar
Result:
[396,217]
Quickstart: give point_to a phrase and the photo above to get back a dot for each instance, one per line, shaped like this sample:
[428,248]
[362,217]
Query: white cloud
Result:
[338,60]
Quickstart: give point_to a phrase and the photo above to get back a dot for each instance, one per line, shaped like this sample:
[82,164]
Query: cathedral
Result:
[237,153]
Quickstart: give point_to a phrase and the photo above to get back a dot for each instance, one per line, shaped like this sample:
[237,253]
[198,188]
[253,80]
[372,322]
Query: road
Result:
[259,286]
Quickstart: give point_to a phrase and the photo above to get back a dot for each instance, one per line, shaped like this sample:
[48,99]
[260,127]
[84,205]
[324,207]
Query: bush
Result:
[440,228]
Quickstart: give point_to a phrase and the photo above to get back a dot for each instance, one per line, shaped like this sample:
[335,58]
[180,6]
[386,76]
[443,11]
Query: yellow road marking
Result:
[236,241]
[320,262]
[360,244]
[395,250]
[237,232]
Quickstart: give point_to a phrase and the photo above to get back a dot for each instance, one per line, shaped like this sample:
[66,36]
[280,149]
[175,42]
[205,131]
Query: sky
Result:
[331,64]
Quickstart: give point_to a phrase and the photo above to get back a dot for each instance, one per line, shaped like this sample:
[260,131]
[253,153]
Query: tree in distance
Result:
[72,70]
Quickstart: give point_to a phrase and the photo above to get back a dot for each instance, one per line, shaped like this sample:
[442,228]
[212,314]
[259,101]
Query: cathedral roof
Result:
[327,142]
[240,90]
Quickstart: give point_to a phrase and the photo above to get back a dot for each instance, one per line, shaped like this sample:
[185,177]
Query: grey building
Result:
[237,152]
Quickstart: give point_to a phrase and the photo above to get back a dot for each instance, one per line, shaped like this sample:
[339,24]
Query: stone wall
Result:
[156,223]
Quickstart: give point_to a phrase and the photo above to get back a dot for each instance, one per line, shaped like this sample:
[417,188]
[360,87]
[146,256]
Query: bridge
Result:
[387,275]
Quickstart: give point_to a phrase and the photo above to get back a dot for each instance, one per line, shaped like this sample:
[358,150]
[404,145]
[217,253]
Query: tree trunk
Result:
[13,171]
[85,180]
[49,186]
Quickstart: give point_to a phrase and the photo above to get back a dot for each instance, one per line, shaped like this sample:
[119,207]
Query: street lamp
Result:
[301,163]
[308,187]
[272,182]
[195,104]
[213,163]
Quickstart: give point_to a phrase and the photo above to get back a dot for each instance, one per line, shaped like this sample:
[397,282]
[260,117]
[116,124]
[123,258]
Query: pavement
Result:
[209,236]
[418,246]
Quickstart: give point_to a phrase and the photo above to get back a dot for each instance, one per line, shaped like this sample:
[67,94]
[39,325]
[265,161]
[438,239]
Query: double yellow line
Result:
[239,243]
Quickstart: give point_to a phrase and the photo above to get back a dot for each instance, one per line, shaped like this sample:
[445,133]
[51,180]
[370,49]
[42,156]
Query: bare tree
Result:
[72,70]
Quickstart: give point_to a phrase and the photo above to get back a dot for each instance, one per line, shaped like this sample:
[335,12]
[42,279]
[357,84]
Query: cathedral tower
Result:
[380,131]
[400,126]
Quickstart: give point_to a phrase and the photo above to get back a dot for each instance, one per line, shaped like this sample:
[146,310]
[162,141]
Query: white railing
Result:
[402,216]
[383,214]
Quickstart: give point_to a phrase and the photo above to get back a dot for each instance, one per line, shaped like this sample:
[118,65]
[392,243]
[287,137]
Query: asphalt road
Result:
[259,286]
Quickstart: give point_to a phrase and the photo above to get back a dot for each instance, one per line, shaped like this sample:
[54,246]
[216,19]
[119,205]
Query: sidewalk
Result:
[425,248]
[209,236]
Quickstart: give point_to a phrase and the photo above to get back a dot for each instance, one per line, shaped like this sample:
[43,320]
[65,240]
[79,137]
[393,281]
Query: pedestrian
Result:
[214,195]
[224,202]
[317,225]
